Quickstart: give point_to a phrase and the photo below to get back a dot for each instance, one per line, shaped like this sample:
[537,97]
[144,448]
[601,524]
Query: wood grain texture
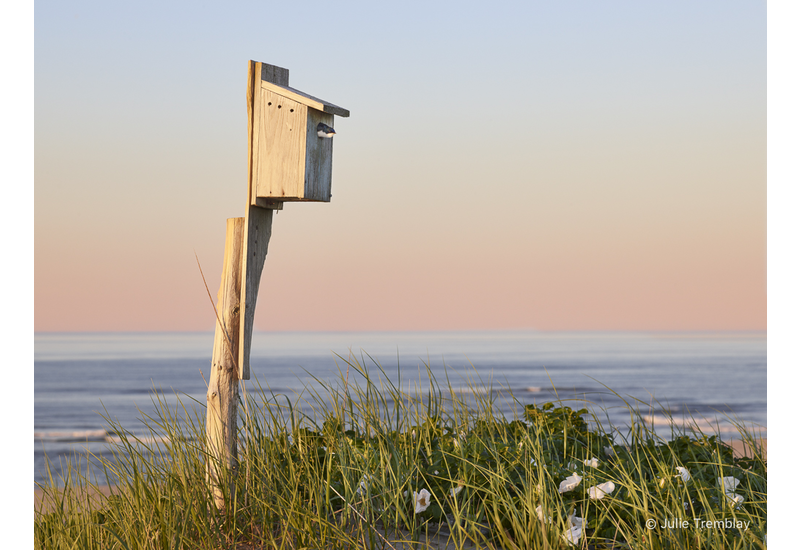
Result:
[222,397]
[274,74]
[280,150]
[258,224]
[258,220]
[319,159]
[256,74]
[253,103]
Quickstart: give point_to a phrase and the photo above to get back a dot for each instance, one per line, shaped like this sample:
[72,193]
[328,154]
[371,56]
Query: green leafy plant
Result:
[362,464]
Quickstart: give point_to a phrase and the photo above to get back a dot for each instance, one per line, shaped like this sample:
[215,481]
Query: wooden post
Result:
[258,230]
[258,215]
[223,388]
[292,148]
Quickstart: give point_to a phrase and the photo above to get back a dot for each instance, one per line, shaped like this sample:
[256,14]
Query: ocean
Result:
[712,380]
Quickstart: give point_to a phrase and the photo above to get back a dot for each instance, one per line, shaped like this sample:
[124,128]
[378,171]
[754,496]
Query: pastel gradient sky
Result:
[548,165]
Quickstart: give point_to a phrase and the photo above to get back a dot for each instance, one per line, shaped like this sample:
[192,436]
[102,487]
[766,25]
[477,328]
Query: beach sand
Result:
[92,496]
[740,449]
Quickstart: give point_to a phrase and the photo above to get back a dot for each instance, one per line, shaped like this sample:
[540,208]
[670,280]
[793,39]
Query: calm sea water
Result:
[712,378]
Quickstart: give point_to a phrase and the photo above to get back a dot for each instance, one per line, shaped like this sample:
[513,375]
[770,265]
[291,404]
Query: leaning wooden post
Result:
[223,388]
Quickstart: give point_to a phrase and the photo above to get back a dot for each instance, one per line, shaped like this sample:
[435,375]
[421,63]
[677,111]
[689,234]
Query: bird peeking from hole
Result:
[325,131]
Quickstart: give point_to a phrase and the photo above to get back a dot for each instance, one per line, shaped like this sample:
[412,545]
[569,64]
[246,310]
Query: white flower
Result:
[573,534]
[609,451]
[599,491]
[734,499]
[576,521]
[533,461]
[570,483]
[593,462]
[421,501]
[540,513]
[683,473]
[729,484]
[436,472]
[455,490]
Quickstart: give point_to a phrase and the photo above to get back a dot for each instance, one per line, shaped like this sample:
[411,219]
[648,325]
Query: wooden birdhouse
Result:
[290,158]
[291,145]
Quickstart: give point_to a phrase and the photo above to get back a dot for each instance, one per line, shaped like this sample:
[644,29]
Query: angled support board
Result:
[258,230]
[258,219]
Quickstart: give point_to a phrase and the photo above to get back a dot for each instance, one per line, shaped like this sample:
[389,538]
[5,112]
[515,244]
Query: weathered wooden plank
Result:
[251,95]
[257,73]
[258,220]
[275,74]
[258,230]
[279,153]
[222,397]
[319,158]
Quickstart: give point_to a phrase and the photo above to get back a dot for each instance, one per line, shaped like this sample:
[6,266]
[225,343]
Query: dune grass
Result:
[362,464]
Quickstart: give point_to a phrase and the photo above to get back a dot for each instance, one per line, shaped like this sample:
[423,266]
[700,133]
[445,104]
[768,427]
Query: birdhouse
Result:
[291,140]
[290,158]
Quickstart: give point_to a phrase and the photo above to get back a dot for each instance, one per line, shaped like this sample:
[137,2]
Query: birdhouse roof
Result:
[305,99]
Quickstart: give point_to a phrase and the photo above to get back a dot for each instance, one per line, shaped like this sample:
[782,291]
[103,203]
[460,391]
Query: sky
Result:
[542,165]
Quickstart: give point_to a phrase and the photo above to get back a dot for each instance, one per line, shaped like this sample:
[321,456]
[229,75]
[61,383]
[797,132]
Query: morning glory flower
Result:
[421,501]
[599,491]
[729,484]
[540,513]
[683,473]
[570,483]
[593,462]
[734,499]
[574,533]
